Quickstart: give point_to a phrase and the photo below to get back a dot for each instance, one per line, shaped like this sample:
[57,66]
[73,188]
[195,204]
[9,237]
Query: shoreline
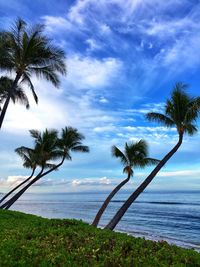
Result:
[170,241]
[148,236]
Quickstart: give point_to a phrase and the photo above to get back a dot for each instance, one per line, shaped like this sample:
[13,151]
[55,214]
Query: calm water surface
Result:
[170,216]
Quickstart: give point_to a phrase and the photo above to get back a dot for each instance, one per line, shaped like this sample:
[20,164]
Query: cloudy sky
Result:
[123,59]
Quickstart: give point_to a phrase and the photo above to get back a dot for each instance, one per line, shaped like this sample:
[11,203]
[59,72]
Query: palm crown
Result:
[71,140]
[45,150]
[134,155]
[46,146]
[49,147]
[180,111]
[18,94]
[28,51]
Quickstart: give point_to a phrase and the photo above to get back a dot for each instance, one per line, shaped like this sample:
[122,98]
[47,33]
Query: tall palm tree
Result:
[181,111]
[18,93]
[70,141]
[26,51]
[135,155]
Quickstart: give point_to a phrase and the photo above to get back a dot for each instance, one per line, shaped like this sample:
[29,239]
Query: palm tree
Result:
[18,93]
[70,141]
[30,161]
[26,51]
[45,149]
[181,111]
[134,156]
[33,158]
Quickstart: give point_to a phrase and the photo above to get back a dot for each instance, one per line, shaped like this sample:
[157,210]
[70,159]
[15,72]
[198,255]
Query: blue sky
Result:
[123,59]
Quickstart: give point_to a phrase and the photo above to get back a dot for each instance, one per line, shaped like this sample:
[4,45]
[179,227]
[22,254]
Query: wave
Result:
[160,202]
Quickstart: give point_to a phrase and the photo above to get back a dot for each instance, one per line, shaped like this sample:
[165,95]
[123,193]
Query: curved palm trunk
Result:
[111,225]
[11,201]
[5,106]
[14,189]
[108,199]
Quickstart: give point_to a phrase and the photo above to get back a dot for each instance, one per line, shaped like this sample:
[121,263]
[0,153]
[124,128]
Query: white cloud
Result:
[108,128]
[177,55]
[13,180]
[103,100]
[104,28]
[89,181]
[93,44]
[58,108]
[45,115]
[181,174]
[87,72]
[56,23]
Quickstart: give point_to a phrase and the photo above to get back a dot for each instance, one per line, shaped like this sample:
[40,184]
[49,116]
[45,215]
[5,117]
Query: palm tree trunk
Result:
[14,189]
[107,201]
[111,225]
[11,201]
[5,106]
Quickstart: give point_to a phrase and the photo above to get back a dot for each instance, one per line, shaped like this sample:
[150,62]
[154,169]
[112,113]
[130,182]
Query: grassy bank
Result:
[28,240]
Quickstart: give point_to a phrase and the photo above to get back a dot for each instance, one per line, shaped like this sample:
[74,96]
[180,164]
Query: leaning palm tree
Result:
[135,155]
[70,141]
[33,158]
[18,94]
[181,111]
[26,51]
[45,149]
[29,158]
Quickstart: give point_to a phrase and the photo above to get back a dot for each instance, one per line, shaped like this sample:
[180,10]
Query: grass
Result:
[28,240]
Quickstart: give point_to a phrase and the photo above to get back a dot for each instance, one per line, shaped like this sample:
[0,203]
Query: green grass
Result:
[28,240]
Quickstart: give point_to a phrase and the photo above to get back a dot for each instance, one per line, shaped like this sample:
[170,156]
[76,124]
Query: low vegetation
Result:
[28,240]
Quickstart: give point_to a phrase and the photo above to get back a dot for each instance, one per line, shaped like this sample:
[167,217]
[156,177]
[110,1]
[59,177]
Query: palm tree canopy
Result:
[18,94]
[49,147]
[32,158]
[27,51]
[181,111]
[46,145]
[134,155]
[71,140]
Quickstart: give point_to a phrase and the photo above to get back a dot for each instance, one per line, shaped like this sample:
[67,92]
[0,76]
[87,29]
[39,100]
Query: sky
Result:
[123,59]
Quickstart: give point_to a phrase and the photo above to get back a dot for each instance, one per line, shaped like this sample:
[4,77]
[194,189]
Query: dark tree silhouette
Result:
[135,155]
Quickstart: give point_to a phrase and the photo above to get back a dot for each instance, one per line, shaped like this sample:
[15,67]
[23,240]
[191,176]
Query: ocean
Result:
[173,216]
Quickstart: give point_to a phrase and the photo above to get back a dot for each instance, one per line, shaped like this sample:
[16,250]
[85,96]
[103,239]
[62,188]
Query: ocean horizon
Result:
[172,216]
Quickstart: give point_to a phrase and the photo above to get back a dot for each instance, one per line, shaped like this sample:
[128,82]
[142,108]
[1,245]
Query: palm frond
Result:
[26,79]
[46,72]
[35,134]
[81,148]
[190,129]
[160,118]
[116,152]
